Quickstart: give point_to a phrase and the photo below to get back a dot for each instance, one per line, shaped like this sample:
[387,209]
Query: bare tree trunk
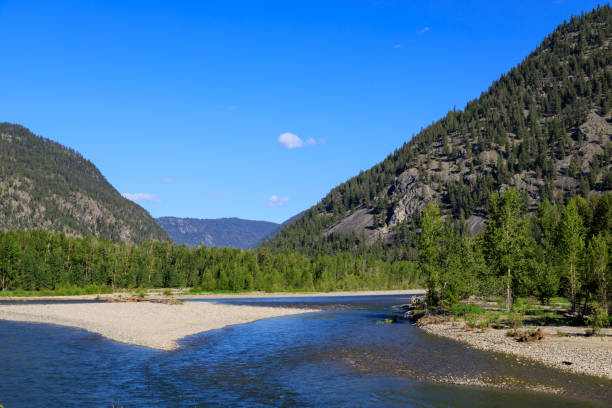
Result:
[573,287]
[508,294]
[586,300]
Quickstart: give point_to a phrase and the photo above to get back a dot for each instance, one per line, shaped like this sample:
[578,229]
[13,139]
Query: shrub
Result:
[515,320]
[521,305]
[492,319]
[464,310]
[597,319]
[526,336]
[451,298]
[470,321]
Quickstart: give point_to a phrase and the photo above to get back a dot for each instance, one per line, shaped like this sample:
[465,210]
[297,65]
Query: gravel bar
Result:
[146,324]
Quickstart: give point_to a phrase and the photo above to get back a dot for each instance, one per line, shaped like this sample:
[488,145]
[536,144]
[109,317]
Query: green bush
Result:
[597,319]
[515,320]
[521,305]
[470,321]
[463,310]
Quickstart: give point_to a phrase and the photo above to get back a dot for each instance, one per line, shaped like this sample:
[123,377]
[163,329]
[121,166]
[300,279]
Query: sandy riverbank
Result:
[186,295]
[585,355]
[146,324]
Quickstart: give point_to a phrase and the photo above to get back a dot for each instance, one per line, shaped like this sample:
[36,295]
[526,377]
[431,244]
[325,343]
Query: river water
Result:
[343,356]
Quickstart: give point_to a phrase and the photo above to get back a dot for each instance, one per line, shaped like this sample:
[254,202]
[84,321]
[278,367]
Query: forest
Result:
[35,260]
[555,251]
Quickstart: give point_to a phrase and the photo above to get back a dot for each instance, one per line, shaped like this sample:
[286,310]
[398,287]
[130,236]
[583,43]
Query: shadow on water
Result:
[332,358]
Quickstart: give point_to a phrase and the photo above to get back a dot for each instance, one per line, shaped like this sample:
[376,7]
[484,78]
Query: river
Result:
[346,355]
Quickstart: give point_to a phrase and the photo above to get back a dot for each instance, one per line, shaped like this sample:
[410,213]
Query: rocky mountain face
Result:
[222,232]
[44,185]
[544,127]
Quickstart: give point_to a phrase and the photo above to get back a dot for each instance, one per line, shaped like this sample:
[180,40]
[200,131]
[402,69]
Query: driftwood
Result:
[416,302]
[166,301]
[527,336]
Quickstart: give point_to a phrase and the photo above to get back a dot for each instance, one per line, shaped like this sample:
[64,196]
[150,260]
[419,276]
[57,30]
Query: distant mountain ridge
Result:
[544,127]
[44,185]
[221,232]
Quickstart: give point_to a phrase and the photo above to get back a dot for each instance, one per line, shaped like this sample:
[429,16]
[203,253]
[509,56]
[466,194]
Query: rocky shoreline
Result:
[573,351]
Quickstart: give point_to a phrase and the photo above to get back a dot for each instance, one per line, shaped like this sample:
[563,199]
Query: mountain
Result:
[543,127]
[44,185]
[222,232]
[279,227]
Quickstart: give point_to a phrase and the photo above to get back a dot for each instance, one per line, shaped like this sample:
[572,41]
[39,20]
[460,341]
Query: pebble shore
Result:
[573,352]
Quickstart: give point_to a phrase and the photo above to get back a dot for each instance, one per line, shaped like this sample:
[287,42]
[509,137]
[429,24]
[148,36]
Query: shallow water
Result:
[338,357]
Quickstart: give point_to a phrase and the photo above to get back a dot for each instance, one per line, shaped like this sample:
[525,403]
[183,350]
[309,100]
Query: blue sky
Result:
[251,109]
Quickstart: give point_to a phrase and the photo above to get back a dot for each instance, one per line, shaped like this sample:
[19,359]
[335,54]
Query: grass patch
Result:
[141,292]
[386,321]
[464,310]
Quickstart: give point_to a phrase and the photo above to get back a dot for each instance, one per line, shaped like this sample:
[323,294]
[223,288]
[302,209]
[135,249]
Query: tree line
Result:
[43,260]
[558,250]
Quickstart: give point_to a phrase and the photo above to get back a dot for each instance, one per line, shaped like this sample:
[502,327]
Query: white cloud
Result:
[397,46]
[277,201]
[139,197]
[292,141]
[424,30]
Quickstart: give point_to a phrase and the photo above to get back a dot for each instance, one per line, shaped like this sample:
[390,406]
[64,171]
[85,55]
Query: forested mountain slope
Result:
[222,232]
[543,127]
[44,185]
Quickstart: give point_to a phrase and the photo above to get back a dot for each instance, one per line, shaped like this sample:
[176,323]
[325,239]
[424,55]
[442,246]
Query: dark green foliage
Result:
[507,241]
[556,251]
[41,260]
[528,124]
[47,186]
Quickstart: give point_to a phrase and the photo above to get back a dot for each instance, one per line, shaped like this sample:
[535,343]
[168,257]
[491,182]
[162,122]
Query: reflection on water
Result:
[333,358]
